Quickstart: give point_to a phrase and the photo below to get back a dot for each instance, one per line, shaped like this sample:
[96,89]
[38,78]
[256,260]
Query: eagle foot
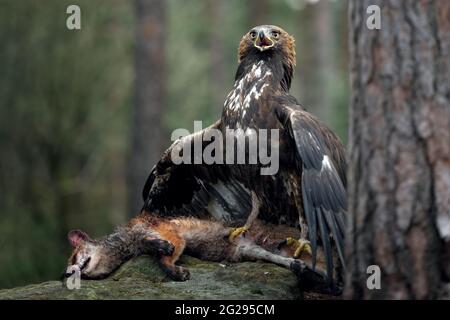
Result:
[300,246]
[236,232]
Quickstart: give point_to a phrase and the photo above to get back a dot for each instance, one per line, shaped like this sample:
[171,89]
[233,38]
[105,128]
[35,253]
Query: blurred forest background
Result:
[84,114]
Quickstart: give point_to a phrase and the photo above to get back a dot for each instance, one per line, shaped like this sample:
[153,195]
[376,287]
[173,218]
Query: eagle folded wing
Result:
[200,190]
[321,159]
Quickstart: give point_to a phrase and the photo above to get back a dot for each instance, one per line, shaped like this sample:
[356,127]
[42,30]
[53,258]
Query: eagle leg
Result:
[301,245]
[298,246]
[236,232]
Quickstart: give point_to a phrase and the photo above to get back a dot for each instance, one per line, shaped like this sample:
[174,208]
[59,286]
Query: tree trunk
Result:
[399,165]
[147,130]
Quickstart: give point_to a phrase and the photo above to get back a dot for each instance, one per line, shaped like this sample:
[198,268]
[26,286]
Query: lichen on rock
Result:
[141,278]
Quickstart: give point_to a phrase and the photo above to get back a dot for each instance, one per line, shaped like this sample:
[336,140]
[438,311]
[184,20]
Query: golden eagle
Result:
[308,190]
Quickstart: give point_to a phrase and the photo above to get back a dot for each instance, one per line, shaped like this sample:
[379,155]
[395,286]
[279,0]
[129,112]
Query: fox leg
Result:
[311,280]
[167,262]
[247,250]
[157,245]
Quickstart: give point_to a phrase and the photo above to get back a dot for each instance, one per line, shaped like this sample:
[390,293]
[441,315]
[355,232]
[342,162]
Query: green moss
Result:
[141,278]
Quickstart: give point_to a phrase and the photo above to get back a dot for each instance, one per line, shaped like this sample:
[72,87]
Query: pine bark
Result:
[399,153]
[149,96]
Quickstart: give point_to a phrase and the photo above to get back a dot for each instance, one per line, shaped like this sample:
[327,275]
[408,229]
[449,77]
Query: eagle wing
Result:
[200,190]
[321,158]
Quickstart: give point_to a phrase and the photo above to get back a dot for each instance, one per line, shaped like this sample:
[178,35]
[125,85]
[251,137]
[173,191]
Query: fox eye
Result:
[253,34]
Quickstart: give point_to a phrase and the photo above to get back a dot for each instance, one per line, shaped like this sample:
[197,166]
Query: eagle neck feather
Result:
[279,65]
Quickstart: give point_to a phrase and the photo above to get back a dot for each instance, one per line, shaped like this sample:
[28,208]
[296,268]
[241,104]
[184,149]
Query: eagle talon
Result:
[236,232]
[300,246]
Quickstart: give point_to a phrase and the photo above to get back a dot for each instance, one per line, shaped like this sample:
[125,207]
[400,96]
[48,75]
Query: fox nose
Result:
[71,270]
[66,274]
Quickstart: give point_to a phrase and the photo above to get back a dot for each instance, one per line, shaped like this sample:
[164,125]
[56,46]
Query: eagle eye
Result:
[275,34]
[253,34]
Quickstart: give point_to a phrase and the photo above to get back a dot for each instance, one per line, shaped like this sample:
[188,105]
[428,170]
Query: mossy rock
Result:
[141,278]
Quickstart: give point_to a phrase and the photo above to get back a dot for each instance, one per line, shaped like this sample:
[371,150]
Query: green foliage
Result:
[62,128]
[189,60]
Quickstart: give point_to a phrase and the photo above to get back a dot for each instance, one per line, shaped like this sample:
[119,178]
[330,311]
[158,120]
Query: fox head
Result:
[96,259]
[91,257]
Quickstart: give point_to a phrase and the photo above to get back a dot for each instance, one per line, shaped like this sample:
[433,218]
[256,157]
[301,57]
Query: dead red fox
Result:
[206,239]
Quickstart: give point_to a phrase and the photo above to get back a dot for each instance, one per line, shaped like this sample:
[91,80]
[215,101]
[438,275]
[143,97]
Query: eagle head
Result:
[267,39]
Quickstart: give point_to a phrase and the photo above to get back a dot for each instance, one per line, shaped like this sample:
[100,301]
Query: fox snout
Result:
[70,271]
[77,268]
[90,258]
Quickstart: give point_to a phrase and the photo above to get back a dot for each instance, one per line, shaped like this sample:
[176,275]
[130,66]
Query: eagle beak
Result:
[263,42]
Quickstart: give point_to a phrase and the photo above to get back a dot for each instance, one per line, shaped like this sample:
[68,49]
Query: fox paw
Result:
[180,274]
[298,267]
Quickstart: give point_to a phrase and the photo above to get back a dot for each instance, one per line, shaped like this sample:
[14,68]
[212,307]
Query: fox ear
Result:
[77,237]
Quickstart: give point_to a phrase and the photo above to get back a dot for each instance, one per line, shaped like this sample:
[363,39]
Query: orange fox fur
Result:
[206,239]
